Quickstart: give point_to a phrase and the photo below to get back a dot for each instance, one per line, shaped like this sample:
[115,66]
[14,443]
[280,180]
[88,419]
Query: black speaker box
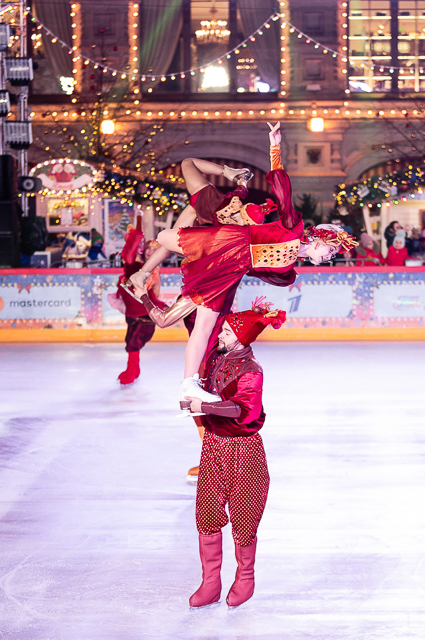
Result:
[9,220]
[7,178]
[9,250]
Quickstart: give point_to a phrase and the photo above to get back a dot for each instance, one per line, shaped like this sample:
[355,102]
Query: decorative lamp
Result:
[19,71]
[18,135]
[316,125]
[4,36]
[107,127]
[4,103]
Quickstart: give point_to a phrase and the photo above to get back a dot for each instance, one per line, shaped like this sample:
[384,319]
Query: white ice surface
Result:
[97,531]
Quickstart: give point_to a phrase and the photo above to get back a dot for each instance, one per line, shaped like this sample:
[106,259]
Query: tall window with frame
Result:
[411,45]
[370,45]
[205,56]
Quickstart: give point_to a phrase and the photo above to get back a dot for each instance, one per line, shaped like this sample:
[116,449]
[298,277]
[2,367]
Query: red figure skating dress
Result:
[216,258]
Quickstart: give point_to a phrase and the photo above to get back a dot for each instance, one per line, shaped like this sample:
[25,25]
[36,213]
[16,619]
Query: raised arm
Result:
[279,181]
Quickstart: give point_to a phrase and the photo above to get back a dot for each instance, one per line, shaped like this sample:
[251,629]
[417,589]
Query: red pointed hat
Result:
[247,325]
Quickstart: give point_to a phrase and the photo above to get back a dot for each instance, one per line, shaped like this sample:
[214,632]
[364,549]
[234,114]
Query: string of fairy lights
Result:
[127,189]
[134,74]
[392,188]
[303,111]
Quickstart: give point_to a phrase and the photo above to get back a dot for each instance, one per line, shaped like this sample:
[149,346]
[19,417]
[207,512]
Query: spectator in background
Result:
[77,249]
[391,231]
[96,249]
[398,253]
[369,250]
[58,240]
[348,258]
[413,244]
[422,240]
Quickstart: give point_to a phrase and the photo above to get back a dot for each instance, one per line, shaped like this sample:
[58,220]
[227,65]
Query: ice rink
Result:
[97,528]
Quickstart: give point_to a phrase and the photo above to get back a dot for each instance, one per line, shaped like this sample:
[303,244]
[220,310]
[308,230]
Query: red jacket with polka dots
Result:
[238,378]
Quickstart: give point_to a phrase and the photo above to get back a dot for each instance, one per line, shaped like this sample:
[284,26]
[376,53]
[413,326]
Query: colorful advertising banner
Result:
[326,298]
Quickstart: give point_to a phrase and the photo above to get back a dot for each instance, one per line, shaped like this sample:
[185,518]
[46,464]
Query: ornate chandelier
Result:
[213,31]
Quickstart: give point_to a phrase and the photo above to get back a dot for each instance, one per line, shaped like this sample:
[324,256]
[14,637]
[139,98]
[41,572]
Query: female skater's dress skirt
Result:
[216,259]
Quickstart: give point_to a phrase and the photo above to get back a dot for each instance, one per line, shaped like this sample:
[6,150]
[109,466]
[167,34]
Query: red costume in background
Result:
[396,257]
[369,257]
[140,328]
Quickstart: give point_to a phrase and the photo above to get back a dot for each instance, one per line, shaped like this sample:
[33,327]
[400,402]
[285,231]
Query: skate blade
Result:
[205,606]
[130,292]
[187,414]
[126,384]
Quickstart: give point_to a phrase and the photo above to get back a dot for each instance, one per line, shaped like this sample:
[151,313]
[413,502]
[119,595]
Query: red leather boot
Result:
[210,550]
[243,587]
[133,368]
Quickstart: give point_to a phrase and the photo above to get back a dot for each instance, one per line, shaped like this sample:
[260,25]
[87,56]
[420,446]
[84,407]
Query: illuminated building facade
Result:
[343,77]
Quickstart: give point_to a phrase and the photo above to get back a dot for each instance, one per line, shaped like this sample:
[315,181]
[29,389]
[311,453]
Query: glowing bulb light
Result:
[107,127]
[316,125]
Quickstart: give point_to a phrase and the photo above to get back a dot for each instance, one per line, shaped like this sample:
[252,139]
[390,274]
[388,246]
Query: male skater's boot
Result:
[210,551]
[243,587]
[192,474]
[133,368]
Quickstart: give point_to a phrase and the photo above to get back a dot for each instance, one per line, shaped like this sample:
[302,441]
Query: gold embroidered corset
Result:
[224,216]
[275,255]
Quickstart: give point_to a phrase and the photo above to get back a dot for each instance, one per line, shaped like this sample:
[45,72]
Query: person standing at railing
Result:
[390,232]
[397,253]
[368,250]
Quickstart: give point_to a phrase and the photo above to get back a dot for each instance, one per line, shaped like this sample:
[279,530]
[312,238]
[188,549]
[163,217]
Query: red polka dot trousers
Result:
[232,471]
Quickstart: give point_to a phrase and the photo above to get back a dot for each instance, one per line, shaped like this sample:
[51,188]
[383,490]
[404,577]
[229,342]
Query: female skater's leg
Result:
[195,169]
[198,341]
[195,351]
[192,170]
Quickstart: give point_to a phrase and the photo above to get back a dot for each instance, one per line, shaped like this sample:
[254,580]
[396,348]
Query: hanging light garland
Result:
[342,22]
[128,189]
[133,31]
[132,190]
[383,190]
[286,26]
[285,71]
[134,72]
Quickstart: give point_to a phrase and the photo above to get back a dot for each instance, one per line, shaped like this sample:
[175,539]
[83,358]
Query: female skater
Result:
[239,243]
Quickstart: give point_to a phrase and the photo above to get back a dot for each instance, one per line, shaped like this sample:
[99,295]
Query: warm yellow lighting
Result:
[316,124]
[107,127]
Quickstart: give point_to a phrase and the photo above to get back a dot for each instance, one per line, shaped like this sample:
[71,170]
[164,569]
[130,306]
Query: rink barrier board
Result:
[180,335]
[339,303]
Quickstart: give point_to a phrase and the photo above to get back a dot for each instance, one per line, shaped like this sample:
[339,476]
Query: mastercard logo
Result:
[1,304]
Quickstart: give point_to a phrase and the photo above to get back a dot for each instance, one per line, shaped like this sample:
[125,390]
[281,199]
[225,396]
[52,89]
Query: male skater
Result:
[233,468]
